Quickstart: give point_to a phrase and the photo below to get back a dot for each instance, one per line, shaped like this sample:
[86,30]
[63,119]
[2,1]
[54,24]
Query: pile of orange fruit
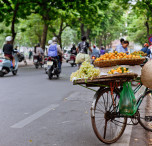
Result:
[119,70]
[117,56]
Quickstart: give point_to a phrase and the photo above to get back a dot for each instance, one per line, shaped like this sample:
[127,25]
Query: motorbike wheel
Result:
[50,75]
[14,72]
[25,62]
[36,66]
[57,76]
[1,74]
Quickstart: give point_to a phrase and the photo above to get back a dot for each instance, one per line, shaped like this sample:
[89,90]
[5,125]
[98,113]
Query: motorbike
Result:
[37,62]
[72,60]
[21,58]
[52,67]
[45,64]
[6,66]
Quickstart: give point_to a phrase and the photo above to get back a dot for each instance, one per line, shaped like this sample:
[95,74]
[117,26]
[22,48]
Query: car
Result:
[67,55]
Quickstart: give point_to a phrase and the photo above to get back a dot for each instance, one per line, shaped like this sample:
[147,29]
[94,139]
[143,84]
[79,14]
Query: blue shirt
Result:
[95,52]
[146,50]
[120,48]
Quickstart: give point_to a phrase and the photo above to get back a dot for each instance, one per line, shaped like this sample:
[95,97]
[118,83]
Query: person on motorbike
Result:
[54,50]
[38,52]
[95,52]
[8,50]
[73,49]
[146,49]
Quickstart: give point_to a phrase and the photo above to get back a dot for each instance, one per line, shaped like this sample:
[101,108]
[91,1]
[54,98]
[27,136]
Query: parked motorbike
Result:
[6,66]
[37,62]
[52,67]
[72,60]
[21,58]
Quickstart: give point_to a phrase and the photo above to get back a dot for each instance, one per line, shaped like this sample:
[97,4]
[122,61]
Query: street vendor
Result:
[123,47]
[146,49]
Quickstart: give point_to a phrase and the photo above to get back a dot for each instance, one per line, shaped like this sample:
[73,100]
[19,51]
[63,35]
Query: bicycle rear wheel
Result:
[145,111]
[107,127]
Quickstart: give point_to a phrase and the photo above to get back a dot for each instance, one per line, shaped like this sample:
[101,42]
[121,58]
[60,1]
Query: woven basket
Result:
[114,62]
[107,79]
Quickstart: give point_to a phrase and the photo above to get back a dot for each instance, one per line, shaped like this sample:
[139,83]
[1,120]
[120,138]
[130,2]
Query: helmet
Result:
[54,39]
[50,42]
[146,44]
[8,38]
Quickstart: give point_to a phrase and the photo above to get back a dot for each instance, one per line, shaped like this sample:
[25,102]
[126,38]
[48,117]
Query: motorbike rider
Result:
[95,51]
[8,50]
[73,49]
[38,52]
[54,50]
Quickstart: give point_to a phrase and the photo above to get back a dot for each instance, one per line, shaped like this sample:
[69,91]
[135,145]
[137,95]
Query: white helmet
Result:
[54,39]
[8,38]
[50,42]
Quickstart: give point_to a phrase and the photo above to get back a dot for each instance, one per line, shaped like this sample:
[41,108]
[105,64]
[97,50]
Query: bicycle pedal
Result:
[148,118]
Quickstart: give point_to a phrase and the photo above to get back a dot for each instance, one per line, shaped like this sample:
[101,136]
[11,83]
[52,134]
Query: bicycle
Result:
[107,122]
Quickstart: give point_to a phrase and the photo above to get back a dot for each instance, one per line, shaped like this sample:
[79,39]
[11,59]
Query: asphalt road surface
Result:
[36,111]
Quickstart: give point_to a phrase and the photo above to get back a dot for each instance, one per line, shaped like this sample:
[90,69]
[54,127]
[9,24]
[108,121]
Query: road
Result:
[36,111]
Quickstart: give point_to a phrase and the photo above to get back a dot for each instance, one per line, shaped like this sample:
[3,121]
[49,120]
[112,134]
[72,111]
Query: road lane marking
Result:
[35,116]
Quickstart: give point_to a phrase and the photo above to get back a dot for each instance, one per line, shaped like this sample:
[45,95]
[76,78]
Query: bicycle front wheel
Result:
[145,111]
[107,127]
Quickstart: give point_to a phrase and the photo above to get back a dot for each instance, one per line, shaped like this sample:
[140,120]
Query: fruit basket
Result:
[124,61]
[113,59]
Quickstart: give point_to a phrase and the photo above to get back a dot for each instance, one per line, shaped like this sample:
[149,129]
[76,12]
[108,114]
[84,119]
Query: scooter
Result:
[72,60]
[36,61]
[45,64]
[52,67]
[6,66]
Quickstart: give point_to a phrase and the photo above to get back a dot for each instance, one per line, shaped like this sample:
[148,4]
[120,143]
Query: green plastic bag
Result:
[127,102]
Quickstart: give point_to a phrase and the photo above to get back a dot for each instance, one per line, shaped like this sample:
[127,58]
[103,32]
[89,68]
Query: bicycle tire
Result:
[144,112]
[100,96]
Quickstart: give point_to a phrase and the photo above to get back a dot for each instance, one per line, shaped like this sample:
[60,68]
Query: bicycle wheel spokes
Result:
[145,110]
[105,127]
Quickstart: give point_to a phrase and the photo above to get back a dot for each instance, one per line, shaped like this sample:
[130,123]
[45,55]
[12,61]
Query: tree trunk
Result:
[60,41]
[147,26]
[13,22]
[88,34]
[82,29]
[44,36]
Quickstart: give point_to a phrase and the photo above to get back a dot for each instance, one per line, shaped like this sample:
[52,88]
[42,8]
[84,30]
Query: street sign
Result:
[150,39]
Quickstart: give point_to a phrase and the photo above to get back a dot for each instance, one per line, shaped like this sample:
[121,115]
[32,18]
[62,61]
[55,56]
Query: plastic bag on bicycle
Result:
[127,102]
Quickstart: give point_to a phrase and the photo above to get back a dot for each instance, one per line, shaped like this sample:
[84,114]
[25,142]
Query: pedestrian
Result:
[30,54]
[82,51]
